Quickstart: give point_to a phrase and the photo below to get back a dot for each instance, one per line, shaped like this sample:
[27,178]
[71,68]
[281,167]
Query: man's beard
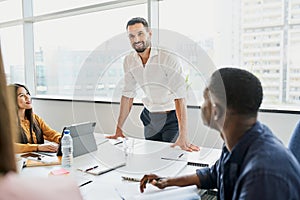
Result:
[142,48]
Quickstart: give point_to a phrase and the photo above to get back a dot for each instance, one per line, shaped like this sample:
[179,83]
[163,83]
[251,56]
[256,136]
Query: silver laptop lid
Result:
[83,138]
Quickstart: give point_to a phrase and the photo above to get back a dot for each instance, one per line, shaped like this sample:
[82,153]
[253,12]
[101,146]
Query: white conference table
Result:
[145,158]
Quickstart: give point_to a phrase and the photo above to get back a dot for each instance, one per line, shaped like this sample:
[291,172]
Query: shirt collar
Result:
[153,52]
[240,149]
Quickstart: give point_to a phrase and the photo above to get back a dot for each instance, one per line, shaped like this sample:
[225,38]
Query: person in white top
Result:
[159,74]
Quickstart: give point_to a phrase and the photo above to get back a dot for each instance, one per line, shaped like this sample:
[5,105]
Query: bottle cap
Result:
[66,131]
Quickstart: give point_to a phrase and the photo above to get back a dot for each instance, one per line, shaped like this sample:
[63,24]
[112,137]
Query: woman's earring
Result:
[216,117]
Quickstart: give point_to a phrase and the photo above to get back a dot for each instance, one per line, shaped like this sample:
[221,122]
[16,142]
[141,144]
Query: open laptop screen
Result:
[83,138]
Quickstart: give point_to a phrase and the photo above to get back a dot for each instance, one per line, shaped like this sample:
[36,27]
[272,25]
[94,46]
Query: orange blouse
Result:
[49,134]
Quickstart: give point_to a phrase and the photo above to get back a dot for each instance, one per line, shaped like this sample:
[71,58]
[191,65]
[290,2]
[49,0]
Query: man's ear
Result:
[217,111]
[216,117]
[150,32]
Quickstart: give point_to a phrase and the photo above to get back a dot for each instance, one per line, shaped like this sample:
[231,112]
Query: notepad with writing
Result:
[203,158]
[174,154]
[34,163]
[35,160]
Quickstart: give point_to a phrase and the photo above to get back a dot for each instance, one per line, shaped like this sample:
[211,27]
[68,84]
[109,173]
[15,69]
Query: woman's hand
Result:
[47,147]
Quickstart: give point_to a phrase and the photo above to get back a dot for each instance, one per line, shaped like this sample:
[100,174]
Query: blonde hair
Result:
[7,124]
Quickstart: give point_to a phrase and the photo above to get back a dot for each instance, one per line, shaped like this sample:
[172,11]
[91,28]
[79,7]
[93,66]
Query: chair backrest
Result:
[294,143]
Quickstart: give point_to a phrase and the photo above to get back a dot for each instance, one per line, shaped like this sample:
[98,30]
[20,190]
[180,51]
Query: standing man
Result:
[254,164]
[159,74]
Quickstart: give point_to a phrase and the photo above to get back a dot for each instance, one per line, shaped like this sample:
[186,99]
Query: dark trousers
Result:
[160,126]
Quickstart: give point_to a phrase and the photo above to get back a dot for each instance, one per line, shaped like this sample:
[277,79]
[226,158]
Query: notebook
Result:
[106,159]
[204,158]
[83,138]
[101,169]
[36,159]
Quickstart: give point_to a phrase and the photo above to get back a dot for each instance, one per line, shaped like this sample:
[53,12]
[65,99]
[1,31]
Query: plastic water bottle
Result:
[67,150]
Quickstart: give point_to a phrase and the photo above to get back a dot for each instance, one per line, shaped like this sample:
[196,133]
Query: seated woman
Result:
[13,186]
[33,128]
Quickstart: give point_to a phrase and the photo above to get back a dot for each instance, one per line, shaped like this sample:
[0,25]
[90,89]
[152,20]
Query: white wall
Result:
[60,113]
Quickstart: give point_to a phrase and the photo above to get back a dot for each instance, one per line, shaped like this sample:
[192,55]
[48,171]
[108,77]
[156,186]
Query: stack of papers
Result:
[35,159]
[131,191]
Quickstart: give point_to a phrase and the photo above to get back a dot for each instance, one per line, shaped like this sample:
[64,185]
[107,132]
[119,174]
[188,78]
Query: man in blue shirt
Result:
[294,144]
[254,164]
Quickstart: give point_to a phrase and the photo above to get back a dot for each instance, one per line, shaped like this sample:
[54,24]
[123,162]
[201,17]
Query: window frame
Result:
[28,19]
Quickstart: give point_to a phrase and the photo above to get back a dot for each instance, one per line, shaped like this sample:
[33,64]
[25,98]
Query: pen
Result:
[118,142]
[83,184]
[47,154]
[35,158]
[119,194]
[91,168]
[180,155]
[102,142]
[156,179]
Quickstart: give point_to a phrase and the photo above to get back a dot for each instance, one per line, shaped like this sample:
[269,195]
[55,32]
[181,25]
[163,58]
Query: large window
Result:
[13,53]
[74,55]
[79,46]
[251,34]
[49,6]
[203,26]
[10,10]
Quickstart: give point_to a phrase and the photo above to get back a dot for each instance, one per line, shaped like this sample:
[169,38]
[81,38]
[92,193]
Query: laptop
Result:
[83,138]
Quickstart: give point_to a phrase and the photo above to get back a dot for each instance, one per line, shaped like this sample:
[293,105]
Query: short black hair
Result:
[241,90]
[137,20]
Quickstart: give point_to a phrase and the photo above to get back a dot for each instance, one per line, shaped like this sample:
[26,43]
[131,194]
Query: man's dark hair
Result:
[137,20]
[241,90]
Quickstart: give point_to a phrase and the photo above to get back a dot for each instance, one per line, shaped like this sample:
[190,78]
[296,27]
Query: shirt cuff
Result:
[180,93]
[204,177]
[129,94]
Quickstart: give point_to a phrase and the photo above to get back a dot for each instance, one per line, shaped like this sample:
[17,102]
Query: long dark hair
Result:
[34,127]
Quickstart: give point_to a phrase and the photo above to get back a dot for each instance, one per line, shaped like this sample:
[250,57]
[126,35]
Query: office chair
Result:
[294,144]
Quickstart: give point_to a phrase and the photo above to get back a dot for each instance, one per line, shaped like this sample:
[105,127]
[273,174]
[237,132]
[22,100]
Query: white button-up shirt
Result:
[161,79]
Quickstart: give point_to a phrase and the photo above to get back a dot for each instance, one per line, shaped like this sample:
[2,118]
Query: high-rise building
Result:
[262,45]
[293,71]
[270,37]
[40,69]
